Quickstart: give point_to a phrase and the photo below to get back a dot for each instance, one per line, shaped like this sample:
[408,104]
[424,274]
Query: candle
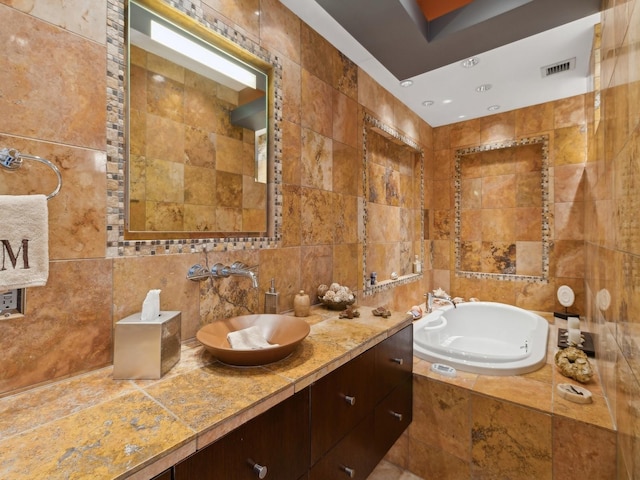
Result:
[574,337]
[573,322]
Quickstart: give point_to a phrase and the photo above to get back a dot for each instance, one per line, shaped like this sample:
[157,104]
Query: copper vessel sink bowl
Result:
[284,330]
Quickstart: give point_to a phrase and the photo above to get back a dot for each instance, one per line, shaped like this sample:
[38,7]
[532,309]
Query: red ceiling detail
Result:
[436,8]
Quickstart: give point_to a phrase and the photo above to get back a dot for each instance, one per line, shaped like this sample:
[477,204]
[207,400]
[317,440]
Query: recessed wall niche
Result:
[502,225]
[393,207]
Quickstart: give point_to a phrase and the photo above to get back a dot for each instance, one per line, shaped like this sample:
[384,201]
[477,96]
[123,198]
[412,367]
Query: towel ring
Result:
[11,159]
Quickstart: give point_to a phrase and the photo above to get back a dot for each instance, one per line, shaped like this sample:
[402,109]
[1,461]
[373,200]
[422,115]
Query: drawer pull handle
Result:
[350,400]
[351,472]
[399,361]
[260,470]
[396,415]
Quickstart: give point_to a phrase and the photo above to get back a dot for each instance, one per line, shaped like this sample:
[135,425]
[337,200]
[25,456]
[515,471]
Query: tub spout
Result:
[431,297]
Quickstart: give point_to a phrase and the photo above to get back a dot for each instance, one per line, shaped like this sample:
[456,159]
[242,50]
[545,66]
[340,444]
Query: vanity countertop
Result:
[92,426]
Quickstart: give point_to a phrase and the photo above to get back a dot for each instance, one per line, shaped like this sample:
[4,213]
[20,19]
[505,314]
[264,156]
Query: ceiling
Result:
[425,41]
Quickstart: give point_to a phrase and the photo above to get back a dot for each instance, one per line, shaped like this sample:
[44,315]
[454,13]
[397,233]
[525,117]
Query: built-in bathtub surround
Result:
[513,427]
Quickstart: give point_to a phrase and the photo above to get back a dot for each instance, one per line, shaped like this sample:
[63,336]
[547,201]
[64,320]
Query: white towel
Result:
[24,239]
[250,338]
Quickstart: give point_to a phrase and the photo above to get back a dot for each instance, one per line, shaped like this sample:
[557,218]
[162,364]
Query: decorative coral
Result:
[349,312]
[573,363]
[381,312]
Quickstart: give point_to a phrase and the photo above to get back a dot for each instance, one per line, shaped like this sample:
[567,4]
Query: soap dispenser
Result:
[271,298]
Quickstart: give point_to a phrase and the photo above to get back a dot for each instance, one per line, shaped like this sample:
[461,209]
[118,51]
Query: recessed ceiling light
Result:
[484,87]
[493,108]
[470,62]
[462,116]
[446,101]
[427,103]
[406,83]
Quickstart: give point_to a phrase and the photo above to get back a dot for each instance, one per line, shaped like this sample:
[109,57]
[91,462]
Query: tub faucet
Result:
[431,297]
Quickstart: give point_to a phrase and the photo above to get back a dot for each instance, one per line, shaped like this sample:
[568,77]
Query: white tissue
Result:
[151,306]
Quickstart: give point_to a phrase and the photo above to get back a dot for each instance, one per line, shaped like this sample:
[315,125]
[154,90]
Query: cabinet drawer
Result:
[394,361]
[340,401]
[350,458]
[277,440]
[392,416]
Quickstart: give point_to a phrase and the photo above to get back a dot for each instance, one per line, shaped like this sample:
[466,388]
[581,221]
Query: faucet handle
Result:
[219,270]
[197,272]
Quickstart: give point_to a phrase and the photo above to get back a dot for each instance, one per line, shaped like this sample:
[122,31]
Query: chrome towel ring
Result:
[11,159]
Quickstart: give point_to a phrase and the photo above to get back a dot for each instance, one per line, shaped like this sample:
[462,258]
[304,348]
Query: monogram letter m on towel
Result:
[24,239]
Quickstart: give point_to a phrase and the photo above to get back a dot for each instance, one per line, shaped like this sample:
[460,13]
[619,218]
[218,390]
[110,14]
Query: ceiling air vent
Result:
[558,67]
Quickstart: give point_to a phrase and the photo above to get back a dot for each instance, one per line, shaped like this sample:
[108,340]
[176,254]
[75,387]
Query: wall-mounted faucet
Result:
[431,297]
[197,272]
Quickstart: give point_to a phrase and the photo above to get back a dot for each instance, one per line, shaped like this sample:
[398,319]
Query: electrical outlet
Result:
[11,301]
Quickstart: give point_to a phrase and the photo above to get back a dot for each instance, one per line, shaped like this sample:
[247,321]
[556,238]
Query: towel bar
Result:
[11,159]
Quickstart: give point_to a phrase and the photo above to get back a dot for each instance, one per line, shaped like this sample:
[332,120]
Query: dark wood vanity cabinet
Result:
[348,442]
[274,445]
[340,401]
[339,427]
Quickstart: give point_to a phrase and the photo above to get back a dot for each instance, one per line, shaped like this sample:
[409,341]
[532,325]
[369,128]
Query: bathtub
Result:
[483,337]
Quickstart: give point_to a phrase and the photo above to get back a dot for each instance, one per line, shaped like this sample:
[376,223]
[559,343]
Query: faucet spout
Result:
[242,270]
[431,297]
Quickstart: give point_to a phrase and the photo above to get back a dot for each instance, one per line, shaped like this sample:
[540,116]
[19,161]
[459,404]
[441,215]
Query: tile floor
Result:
[388,471]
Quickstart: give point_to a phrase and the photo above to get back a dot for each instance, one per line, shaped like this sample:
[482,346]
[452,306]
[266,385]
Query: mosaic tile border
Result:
[546,225]
[371,121]
[117,246]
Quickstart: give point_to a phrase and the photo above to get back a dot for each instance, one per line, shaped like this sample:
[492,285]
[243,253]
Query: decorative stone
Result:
[573,363]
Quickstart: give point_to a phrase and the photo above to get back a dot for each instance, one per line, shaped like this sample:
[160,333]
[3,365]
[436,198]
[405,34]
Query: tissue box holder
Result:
[146,350]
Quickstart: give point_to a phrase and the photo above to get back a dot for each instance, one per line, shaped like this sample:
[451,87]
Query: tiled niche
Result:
[502,226]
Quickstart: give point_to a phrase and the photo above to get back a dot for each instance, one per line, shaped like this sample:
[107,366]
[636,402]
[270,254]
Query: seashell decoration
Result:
[335,296]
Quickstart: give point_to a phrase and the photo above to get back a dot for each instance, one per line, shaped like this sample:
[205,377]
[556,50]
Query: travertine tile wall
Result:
[612,233]
[564,121]
[54,95]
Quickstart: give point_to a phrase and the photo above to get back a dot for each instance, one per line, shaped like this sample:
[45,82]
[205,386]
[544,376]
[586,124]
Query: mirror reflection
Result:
[197,133]
[394,207]
[502,210]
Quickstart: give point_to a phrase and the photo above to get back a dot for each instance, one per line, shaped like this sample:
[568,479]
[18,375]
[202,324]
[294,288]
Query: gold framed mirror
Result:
[393,245]
[200,159]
